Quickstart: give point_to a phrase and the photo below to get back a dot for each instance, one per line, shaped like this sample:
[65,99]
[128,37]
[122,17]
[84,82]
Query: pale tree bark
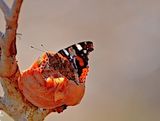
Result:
[13,102]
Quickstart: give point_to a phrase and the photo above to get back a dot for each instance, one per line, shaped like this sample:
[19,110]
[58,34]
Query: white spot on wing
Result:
[66,52]
[85,51]
[79,47]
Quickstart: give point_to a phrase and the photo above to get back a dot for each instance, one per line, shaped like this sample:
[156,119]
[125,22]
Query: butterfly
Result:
[77,55]
[57,80]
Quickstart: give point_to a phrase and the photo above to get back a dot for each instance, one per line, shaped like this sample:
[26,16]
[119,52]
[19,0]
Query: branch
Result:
[16,9]
[8,64]
[5,9]
[12,13]
[11,28]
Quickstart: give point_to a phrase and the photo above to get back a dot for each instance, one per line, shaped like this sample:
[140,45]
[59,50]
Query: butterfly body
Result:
[57,80]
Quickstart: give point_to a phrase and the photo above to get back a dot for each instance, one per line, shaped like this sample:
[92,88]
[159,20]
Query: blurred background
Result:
[124,79]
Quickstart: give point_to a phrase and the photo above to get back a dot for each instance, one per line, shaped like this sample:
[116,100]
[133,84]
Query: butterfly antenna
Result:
[43,47]
[37,49]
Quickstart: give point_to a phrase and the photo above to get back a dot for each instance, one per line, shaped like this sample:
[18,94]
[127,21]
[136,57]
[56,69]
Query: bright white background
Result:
[124,79]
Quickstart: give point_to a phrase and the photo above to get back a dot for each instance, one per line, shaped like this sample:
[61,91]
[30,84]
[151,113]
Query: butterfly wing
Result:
[77,55]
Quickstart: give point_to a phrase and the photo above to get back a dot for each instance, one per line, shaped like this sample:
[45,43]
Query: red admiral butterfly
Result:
[57,80]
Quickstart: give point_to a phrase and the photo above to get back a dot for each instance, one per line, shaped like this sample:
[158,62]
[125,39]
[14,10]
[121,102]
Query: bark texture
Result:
[13,102]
